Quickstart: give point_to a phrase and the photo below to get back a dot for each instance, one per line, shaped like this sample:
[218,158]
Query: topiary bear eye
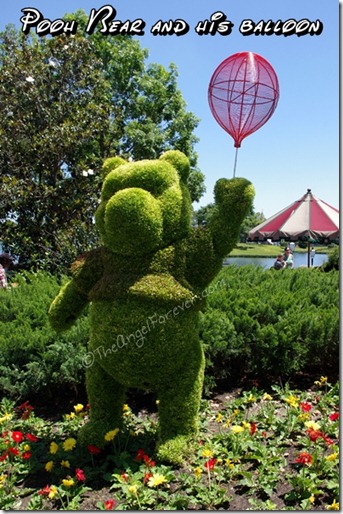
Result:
[152,176]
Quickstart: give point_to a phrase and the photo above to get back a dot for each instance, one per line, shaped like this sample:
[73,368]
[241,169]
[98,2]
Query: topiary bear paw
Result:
[97,433]
[176,450]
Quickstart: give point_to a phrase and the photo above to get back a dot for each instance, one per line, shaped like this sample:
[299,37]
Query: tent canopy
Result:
[306,219]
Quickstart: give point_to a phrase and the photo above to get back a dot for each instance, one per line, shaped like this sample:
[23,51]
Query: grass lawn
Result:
[265,250]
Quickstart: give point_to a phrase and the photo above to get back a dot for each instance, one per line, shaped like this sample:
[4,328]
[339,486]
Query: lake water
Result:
[300,259]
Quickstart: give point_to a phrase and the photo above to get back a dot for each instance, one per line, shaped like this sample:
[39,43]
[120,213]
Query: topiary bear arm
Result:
[233,200]
[205,248]
[73,297]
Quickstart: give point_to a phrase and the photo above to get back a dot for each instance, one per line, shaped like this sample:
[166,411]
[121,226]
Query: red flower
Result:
[26,409]
[147,475]
[14,451]
[26,455]
[80,475]
[304,458]
[140,455]
[264,434]
[94,450]
[4,456]
[17,436]
[31,437]
[148,462]
[109,504]
[327,439]
[334,416]
[305,406]
[25,406]
[45,491]
[124,476]
[210,464]
[314,434]
[253,428]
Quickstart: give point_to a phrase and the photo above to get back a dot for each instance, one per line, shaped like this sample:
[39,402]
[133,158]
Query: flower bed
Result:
[256,450]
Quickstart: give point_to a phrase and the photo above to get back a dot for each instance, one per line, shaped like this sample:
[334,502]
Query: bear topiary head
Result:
[145,205]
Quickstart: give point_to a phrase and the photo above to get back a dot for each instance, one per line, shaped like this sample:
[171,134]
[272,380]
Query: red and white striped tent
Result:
[308,219]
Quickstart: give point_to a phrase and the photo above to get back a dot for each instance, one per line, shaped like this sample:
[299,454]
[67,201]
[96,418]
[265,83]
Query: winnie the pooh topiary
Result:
[145,287]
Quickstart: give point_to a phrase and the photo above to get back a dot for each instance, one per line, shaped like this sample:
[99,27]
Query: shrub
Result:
[34,360]
[265,323]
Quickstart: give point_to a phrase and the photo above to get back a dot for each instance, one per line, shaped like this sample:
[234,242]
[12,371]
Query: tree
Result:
[68,103]
[203,215]
[252,220]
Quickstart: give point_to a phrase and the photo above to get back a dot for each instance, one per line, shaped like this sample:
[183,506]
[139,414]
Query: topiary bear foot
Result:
[176,450]
[94,432]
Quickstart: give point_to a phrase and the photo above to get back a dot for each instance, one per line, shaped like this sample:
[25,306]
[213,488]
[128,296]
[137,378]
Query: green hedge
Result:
[266,322]
[257,322]
[34,360]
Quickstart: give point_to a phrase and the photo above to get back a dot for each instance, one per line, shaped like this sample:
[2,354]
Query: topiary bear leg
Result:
[178,407]
[106,399]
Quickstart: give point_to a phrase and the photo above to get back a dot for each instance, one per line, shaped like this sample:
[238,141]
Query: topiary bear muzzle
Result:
[133,222]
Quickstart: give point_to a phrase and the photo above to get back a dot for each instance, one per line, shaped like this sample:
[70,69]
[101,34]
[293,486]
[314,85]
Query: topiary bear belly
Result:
[148,334]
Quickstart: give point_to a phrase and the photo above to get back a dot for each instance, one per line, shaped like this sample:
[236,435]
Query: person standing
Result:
[288,258]
[312,254]
[5,262]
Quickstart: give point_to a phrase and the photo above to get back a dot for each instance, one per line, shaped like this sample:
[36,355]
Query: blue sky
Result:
[298,148]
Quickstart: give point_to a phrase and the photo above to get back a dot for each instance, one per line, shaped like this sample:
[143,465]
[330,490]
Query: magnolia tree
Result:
[68,103]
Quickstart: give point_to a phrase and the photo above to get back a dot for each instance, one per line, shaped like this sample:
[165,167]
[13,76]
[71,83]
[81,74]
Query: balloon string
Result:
[234,167]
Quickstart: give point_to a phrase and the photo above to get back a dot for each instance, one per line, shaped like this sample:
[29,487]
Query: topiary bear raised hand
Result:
[145,287]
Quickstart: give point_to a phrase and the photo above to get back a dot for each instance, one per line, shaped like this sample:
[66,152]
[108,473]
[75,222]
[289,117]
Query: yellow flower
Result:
[65,463]
[334,506]
[304,416]
[197,472]
[26,447]
[312,498]
[6,417]
[229,463]
[111,434]
[132,489]
[266,397]
[68,482]
[53,447]
[2,480]
[292,401]
[49,465]
[246,425]
[251,398]
[78,407]
[53,492]
[156,480]
[125,407]
[207,453]
[219,417]
[71,415]
[312,425]
[237,429]
[69,444]
[321,381]
[332,456]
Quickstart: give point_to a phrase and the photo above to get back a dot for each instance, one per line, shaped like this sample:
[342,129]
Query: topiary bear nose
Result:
[133,222]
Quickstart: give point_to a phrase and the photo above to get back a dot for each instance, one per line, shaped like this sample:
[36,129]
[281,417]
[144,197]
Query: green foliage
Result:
[333,260]
[265,323]
[67,104]
[33,359]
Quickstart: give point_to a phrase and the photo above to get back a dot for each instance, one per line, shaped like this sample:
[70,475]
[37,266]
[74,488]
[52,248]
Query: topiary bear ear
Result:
[111,164]
[179,161]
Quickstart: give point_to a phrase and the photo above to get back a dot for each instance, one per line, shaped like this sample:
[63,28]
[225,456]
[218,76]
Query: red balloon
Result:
[243,94]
